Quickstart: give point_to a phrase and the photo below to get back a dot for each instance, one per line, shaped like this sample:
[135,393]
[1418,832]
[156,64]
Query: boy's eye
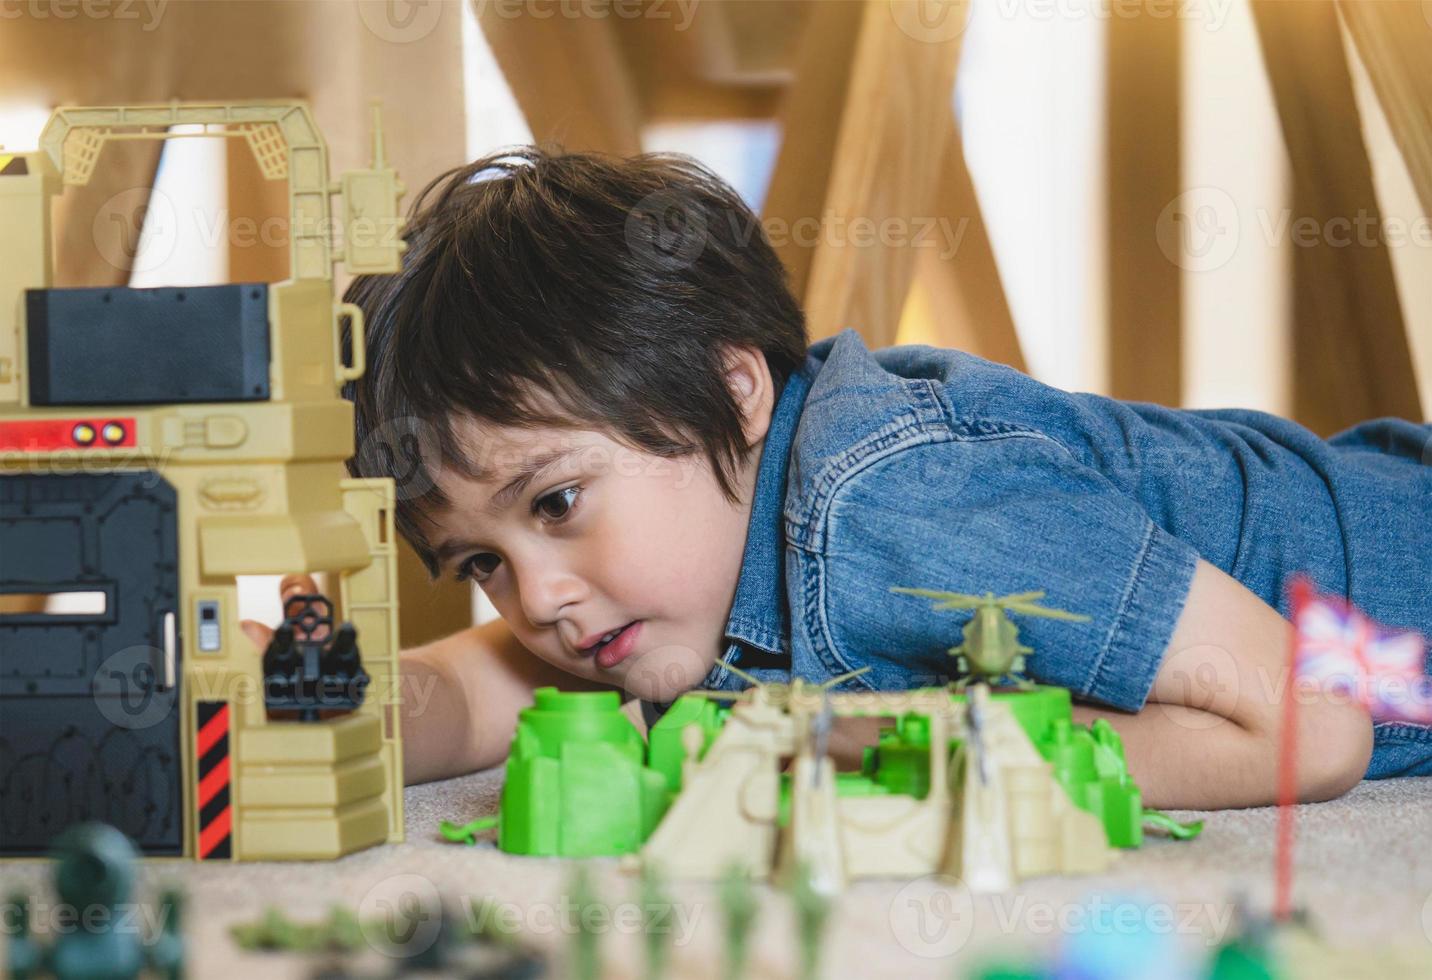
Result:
[556,506]
[478,567]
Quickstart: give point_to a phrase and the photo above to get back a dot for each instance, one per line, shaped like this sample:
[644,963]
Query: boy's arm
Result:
[1208,737]
[461,697]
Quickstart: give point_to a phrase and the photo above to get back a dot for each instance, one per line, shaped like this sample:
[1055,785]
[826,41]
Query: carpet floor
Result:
[1363,873]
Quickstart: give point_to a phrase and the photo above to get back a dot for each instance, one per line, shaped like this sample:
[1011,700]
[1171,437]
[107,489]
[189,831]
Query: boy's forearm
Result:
[1210,733]
[1187,759]
[435,717]
[448,730]
[462,696]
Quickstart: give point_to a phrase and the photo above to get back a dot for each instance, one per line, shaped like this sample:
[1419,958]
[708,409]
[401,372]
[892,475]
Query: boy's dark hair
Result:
[547,289]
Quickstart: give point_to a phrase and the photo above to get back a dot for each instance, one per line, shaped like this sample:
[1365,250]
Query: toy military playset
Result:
[156,445]
[987,786]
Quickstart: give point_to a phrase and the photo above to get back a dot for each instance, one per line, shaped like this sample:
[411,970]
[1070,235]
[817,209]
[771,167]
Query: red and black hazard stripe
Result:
[211,748]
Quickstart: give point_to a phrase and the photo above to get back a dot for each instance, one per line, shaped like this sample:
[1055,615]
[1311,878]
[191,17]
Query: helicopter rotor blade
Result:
[1017,597]
[963,599]
[1044,612]
[953,604]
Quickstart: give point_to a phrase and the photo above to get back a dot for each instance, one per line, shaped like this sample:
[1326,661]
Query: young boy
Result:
[593,387]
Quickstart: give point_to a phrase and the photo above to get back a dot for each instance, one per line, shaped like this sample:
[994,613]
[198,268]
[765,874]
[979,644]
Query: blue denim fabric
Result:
[929,467]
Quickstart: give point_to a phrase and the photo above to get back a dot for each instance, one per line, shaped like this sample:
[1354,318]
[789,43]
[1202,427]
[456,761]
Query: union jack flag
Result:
[1345,652]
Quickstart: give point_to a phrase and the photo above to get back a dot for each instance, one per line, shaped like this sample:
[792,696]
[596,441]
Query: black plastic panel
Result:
[89,707]
[122,346]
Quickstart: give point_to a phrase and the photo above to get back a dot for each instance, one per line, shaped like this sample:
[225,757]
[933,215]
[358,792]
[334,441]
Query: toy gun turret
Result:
[308,666]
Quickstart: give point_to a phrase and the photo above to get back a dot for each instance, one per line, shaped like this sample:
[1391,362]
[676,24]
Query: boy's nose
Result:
[546,591]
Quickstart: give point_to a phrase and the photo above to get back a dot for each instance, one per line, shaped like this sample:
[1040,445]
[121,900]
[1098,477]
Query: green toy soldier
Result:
[812,912]
[738,901]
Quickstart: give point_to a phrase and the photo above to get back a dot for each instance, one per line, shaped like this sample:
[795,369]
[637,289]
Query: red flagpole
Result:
[1287,768]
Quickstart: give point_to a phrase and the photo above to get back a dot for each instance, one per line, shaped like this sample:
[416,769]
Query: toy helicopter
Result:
[991,650]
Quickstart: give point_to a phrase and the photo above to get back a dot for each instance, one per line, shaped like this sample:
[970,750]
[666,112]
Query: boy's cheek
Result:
[664,674]
[687,470]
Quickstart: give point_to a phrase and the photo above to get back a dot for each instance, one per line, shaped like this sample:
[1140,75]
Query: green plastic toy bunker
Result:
[577,784]
[1088,761]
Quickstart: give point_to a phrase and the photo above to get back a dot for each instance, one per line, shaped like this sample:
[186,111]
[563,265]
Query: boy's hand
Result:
[291,585]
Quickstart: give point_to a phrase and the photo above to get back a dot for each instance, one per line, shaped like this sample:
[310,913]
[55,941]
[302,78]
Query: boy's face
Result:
[602,537]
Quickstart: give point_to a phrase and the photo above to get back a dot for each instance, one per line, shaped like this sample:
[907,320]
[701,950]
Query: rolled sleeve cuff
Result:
[1153,599]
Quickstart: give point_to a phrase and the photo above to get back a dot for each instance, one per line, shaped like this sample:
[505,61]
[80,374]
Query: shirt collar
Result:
[760,615]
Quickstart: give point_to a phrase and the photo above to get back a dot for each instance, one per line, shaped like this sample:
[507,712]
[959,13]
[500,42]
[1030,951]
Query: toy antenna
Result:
[718,695]
[841,678]
[748,678]
[379,162]
[820,727]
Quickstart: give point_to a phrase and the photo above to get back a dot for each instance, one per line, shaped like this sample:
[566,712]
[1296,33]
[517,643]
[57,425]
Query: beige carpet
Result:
[1364,872]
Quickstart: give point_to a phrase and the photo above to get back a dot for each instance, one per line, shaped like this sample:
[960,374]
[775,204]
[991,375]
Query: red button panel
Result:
[48,435]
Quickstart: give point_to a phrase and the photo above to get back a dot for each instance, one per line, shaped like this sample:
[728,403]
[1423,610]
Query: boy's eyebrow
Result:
[525,474]
[448,549]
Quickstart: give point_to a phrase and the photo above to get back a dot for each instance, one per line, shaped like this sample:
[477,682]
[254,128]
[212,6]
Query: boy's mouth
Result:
[611,652]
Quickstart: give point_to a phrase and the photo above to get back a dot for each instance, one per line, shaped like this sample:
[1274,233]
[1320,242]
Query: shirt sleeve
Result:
[1006,513]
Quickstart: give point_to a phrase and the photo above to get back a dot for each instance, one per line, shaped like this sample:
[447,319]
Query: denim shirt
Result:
[932,468]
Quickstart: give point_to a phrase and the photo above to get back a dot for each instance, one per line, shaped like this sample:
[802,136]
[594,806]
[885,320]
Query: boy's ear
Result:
[749,379]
